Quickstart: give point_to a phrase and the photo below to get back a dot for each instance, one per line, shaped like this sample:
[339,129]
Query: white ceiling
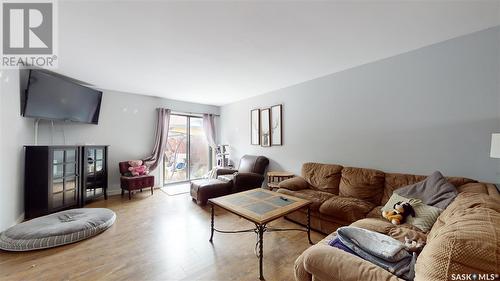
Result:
[221,52]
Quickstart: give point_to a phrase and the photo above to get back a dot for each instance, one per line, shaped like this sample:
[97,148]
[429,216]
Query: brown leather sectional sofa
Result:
[464,240]
[343,195]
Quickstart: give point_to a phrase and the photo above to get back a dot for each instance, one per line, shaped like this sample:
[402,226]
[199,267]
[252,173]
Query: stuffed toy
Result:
[414,246]
[137,168]
[399,214]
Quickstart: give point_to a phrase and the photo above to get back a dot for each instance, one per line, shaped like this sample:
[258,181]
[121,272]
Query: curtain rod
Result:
[192,113]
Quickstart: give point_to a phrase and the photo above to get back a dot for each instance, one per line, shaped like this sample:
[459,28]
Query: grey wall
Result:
[15,131]
[430,109]
[126,123]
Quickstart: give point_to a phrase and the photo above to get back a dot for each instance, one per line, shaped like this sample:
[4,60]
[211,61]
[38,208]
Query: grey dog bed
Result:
[57,229]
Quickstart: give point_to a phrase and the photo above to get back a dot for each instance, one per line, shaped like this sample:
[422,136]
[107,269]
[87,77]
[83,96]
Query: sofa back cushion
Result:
[365,184]
[394,181]
[474,187]
[322,177]
[463,240]
[459,181]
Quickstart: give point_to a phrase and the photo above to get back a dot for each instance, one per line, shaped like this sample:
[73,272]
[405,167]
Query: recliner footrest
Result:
[202,190]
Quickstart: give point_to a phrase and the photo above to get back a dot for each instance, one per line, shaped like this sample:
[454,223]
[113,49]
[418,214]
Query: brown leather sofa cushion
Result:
[316,197]
[375,213]
[347,209]
[458,181]
[394,181]
[322,177]
[295,183]
[473,188]
[366,184]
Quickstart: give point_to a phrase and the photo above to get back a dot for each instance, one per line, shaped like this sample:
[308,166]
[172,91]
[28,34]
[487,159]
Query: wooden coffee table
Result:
[260,206]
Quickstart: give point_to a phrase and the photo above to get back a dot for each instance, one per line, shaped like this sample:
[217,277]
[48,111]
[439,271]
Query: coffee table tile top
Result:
[260,208]
[280,202]
[259,194]
[260,205]
[241,201]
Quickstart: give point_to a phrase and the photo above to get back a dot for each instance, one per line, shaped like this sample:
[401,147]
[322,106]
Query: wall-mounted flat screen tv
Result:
[51,96]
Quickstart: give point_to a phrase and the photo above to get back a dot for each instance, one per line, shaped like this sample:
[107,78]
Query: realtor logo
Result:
[27,28]
[28,34]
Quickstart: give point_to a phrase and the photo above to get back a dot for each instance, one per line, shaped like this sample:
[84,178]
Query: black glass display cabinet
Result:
[51,179]
[94,173]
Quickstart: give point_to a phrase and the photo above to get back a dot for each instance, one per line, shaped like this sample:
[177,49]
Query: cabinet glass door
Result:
[57,178]
[64,178]
[70,177]
[99,160]
[91,161]
[95,178]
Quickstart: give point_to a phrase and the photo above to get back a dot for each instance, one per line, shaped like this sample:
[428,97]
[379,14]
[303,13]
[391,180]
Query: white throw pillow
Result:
[425,215]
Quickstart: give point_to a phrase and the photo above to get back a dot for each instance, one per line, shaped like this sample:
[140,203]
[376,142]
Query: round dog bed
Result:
[57,229]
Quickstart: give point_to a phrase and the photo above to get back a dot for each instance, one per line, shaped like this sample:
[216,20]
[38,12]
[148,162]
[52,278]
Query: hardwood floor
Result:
[162,237]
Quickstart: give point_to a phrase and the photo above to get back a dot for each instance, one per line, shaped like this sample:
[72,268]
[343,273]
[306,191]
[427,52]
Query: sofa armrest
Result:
[222,171]
[493,190]
[244,180]
[324,262]
[294,184]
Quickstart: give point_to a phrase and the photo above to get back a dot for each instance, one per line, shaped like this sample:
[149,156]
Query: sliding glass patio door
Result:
[188,153]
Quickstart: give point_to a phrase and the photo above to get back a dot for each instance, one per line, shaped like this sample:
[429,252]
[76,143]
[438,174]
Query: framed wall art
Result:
[276,125]
[255,126]
[265,127]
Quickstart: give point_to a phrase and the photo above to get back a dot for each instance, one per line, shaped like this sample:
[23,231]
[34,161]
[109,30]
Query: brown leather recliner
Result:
[249,175]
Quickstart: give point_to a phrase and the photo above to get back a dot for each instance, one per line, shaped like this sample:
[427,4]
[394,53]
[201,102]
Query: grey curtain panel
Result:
[210,133]
[209,129]
[161,138]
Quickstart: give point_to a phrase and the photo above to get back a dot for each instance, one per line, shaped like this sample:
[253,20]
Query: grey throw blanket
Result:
[379,249]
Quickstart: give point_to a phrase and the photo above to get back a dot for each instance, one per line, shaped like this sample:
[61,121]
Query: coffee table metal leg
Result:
[309,224]
[212,224]
[261,250]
